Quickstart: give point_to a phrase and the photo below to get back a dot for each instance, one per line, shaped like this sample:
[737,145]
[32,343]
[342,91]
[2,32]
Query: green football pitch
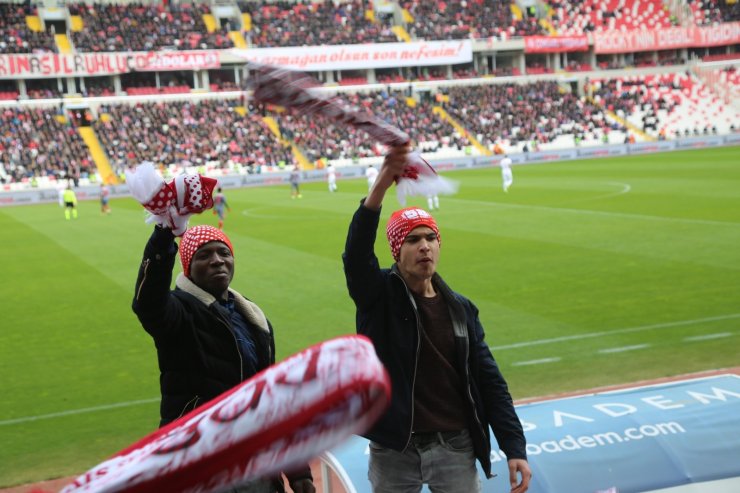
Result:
[587,273]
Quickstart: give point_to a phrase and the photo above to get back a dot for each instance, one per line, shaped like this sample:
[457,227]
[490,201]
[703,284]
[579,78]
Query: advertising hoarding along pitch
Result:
[647,439]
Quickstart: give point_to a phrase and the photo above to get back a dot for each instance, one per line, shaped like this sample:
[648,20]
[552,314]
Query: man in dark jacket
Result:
[446,386]
[209,338]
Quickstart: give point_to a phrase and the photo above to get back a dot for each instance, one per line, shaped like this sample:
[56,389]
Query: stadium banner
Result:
[362,56]
[37,65]
[614,41]
[555,44]
[552,155]
[699,142]
[601,151]
[650,147]
[487,161]
[640,439]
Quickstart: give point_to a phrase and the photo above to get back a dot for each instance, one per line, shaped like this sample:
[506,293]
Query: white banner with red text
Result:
[555,44]
[364,56]
[666,39]
[38,65]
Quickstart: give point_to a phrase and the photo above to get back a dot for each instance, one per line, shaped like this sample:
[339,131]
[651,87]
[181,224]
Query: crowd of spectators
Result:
[16,37]
[673,105]
[708,12]
[518,113]
[143,27]
[307,23]
[135,27]
[188,134]
[461,19]
[338,142]
[649,102]
[582,16]
[625,96]
[34,143]
[231,134]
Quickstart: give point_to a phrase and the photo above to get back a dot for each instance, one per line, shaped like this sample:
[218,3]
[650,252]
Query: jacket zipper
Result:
[416,359]
[236,344]
[466,366]
[185,409]
[141,284]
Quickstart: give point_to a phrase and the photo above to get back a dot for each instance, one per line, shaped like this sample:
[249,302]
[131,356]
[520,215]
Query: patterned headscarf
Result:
[402,222]
[196,237]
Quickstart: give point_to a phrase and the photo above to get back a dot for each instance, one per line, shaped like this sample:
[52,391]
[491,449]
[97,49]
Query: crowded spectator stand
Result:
[140,82]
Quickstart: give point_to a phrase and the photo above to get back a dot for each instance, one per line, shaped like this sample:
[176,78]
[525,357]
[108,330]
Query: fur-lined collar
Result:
[249,310]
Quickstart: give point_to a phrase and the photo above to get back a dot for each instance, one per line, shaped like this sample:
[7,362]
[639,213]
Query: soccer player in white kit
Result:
[331,177]
[371,174]
[506,175]
[433,201]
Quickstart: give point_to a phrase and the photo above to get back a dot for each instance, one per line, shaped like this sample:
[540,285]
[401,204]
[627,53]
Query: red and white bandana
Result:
[196,237]
[402,222]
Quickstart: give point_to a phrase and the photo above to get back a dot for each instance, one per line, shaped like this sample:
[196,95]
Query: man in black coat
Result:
[447,389]
[209,338]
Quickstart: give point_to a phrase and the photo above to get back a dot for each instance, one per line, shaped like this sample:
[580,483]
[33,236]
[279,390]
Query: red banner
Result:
[666,39]
[28,66]
[555,44]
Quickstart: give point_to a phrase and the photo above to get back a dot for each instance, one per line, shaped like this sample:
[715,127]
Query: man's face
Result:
[212,268]
[419,254]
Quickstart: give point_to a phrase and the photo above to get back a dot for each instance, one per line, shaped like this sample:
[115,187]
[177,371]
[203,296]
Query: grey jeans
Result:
[445,462]
[259,486]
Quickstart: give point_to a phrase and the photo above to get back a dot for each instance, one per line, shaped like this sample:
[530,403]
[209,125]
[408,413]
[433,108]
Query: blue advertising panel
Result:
[633,440]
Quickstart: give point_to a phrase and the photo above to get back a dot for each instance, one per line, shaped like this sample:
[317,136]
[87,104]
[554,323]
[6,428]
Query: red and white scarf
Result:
[297,92]
[281,418]
[170,203]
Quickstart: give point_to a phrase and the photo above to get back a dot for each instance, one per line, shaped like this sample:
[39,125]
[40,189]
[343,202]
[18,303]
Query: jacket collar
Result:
[248,309]
[447,293]
[436,281]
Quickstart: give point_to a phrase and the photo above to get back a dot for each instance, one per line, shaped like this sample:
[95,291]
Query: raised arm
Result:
[152,294]
[361,268]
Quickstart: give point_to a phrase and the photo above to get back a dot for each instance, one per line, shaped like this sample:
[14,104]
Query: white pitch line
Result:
[590,212]
[536,361]
[72,412]
[106,407]
[626,187]
[591,335]
[623,349]
[708,337]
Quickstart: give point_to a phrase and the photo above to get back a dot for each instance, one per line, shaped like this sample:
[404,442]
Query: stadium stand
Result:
[314,23]
[15,34]
[473,19]
[216,134]
[714,11]
[343,145]
[668,106]
[40,147]
[134,27]
[538,115]
[576,17]
[507,99]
